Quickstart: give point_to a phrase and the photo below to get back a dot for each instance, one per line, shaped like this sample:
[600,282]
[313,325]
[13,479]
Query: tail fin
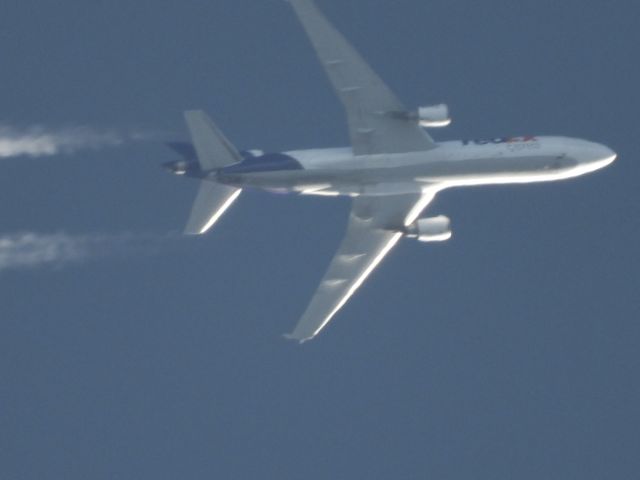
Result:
[214,151]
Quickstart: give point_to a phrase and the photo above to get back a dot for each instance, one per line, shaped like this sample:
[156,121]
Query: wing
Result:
[375,226]
[377,119]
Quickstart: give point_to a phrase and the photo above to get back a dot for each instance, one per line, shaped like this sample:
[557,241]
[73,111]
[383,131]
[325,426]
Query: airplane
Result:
[393,169]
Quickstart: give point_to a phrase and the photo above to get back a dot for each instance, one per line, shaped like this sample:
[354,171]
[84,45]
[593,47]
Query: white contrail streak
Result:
[32,250]
[29,250]
[38,141]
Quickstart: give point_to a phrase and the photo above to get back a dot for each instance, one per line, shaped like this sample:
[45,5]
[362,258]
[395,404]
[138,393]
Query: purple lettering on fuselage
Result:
[497,141]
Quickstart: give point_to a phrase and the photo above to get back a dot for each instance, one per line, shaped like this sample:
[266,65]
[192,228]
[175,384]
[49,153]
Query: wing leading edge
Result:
[376,117]
[375,227]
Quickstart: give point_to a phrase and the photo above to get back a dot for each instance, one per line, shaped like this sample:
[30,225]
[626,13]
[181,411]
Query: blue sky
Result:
[509,352]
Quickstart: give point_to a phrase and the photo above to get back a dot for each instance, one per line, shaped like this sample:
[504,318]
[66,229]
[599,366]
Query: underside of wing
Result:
[377,119]
[376,224]
[361,251]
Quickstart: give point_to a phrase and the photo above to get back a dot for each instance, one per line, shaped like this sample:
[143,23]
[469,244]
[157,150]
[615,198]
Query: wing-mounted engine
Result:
[433,229]
[434,116]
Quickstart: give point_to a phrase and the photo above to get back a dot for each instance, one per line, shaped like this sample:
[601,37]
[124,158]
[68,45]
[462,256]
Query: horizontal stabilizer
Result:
[213,149]
[212,201]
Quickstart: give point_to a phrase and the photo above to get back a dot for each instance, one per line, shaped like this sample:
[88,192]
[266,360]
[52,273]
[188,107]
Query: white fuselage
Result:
[451,164]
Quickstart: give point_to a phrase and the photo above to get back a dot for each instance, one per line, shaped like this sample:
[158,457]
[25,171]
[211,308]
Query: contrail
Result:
[39,142]
[33,250]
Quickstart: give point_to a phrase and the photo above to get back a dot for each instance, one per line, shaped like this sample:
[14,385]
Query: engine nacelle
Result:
[434,116]
[180,167]
[433,229]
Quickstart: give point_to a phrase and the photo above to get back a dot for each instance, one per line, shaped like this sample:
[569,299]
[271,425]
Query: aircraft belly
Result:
[339,182]
[486,166]
[287,180]
[497,170]
[393,180]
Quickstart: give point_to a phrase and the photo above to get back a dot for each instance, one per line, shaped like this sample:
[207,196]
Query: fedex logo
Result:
[497,141]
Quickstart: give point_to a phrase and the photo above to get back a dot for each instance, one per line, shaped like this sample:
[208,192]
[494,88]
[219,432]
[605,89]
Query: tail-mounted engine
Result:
[433,229]
[181,167]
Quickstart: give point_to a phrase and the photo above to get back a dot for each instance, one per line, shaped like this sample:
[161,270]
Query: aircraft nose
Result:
[605,153]
[599,155]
